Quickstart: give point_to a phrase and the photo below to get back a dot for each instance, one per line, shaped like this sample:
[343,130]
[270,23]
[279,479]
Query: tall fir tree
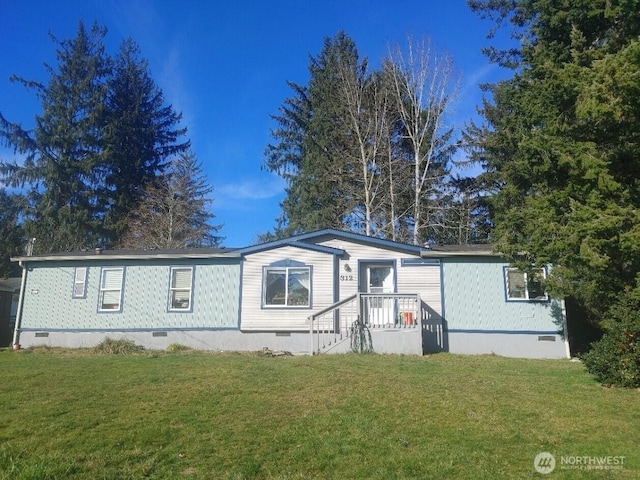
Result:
[11,233]
[311,145]
[62,153]
[104,134]
[354,142]
[141,134]
[562,142]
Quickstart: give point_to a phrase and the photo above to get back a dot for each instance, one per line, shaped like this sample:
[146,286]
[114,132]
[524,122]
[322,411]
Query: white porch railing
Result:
[389,311]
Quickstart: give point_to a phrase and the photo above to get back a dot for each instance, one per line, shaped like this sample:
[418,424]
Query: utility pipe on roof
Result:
[16,329]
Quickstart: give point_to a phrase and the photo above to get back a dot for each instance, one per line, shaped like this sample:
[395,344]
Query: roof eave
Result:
[102,257]
[437,254]
[297,244]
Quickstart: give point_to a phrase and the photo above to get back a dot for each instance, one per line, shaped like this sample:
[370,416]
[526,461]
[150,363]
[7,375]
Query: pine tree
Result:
[65,148]
[363,150]
[11,233]
[312,145]
[562,143]
[103,136]
[141,134]
[174,212]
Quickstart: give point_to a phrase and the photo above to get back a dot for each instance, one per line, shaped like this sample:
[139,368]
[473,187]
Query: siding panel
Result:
[424,279]
[475,300]
[215,297]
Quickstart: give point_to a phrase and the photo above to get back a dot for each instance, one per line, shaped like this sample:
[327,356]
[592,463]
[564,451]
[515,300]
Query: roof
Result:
[467,250]
[305,240]
[167,253]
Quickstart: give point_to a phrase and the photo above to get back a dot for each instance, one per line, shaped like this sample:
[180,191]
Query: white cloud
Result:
[477,76]
[251,189]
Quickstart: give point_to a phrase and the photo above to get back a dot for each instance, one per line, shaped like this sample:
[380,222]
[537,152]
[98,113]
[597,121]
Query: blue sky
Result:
[225,65]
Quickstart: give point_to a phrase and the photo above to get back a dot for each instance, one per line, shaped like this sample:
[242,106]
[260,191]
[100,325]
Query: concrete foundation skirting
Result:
[391,341]
[519,345]
[386,341]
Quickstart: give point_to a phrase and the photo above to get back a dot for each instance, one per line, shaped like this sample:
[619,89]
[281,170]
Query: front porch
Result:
[390,322]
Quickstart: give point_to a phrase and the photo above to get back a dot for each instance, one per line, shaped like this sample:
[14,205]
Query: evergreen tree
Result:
[312,145]
[11,233]
[62,153]
[141,134]
[174,212]
[362,150]
[103,136]
[562,143]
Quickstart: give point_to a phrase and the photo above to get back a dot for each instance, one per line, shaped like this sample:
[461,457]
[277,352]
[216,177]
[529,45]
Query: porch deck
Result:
[333,328]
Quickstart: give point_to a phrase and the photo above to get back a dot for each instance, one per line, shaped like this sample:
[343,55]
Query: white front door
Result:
[380,279]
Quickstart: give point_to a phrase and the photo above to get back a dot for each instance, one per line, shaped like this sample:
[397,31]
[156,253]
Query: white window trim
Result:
[173,288]
[103,289]
[265,272]
[82,283]
[526,286]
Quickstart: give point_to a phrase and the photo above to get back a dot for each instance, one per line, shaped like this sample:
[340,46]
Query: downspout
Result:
[16,330]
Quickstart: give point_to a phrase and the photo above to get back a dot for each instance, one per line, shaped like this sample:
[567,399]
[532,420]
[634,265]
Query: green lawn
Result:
[196,415]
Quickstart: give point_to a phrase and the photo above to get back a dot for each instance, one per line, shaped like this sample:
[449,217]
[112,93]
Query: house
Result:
[317,292]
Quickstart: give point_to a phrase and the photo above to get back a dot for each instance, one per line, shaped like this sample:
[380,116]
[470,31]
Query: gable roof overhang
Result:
[305,240]
[291,243]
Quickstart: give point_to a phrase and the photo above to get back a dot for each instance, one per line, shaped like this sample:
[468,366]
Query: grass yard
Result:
[193,415]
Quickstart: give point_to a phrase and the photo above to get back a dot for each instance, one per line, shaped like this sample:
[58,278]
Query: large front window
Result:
[287,286]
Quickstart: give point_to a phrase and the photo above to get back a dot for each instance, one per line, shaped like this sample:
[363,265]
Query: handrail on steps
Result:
[331,325]
[333,307]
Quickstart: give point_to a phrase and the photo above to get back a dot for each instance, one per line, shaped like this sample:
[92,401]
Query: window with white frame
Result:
[525,285]
[180,289]
[80,282]
[286,286]
[110,297]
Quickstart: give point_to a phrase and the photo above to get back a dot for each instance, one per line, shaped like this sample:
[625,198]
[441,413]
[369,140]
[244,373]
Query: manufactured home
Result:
[309,293]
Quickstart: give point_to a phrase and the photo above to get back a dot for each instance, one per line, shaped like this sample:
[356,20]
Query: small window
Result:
[525,285]
[180,289]
[80,282]
[111,289]
[287,286]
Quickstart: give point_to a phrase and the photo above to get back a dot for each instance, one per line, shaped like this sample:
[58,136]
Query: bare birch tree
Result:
[367,118]
[424,86]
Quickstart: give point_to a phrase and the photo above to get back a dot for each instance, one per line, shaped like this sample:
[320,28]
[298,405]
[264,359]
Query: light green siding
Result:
[49,306]
[475,299]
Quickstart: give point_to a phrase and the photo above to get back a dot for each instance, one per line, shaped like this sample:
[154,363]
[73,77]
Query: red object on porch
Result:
[407,318]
